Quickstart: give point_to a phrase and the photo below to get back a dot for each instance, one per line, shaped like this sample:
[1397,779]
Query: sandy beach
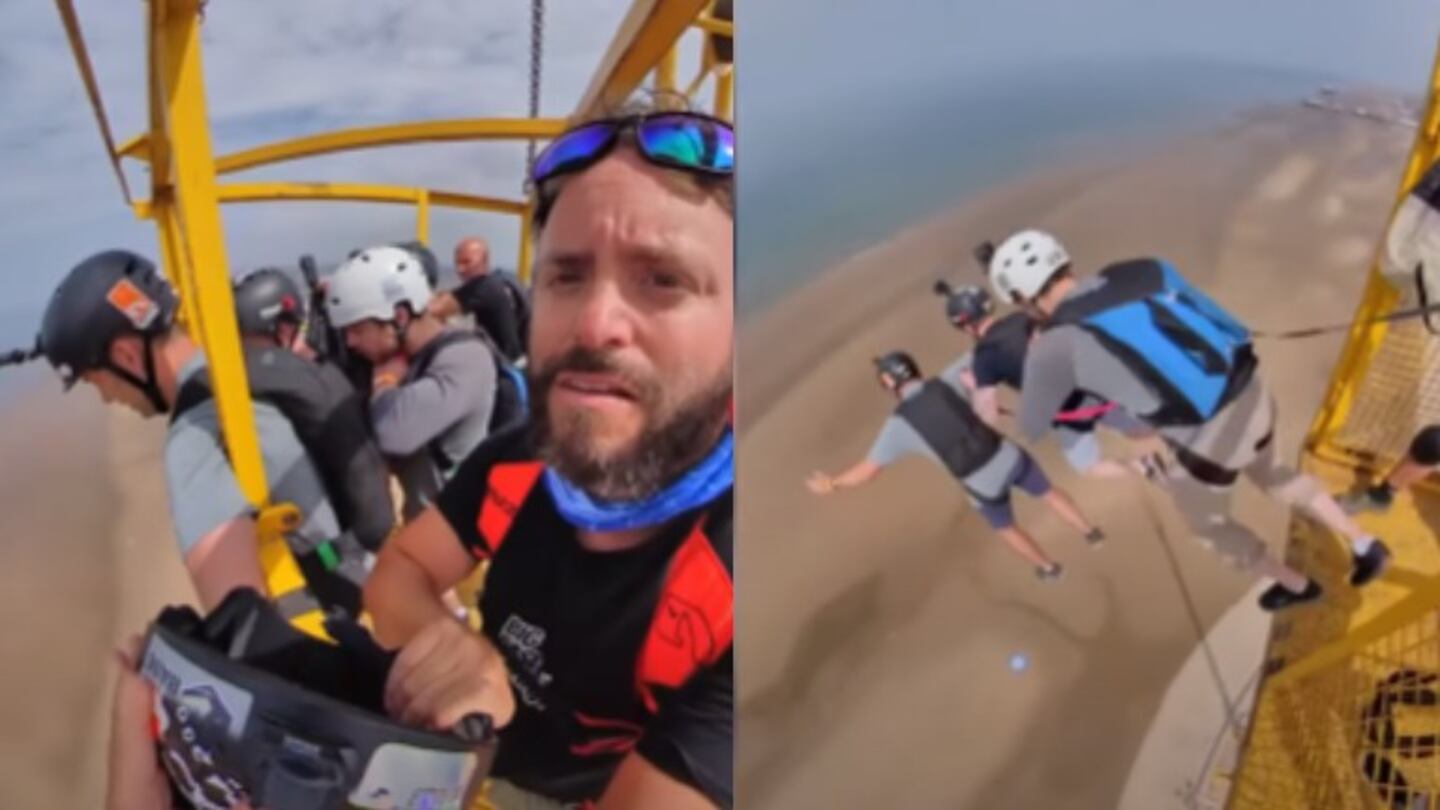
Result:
[88,557]
[877,626]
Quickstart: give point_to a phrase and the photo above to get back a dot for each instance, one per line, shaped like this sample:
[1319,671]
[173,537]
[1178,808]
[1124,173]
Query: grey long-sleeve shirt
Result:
[1064,359]
[449,406]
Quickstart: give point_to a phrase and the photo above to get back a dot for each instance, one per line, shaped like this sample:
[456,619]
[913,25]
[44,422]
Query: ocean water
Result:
[818,185]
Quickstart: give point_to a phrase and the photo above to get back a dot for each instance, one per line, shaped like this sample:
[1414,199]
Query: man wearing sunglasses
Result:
[606,649]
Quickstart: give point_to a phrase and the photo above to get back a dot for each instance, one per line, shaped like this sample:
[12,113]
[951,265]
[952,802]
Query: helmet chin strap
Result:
[148,387]
[402,330]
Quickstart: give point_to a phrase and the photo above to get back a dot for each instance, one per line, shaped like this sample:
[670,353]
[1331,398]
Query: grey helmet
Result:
[110,294]
[899,366]
[965,306]
[267,298]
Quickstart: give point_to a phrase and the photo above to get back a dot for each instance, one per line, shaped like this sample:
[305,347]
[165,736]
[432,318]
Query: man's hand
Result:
[136,781]
[444,306]
[388,374]
[820,483]
[445,673]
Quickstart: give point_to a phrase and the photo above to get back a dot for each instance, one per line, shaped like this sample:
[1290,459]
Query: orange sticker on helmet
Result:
[137,307]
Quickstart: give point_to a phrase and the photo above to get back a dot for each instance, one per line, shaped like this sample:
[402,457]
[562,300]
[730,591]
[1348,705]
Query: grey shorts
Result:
[1027,476]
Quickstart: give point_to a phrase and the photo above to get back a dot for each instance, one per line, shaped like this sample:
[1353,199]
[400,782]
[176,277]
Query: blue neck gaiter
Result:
[703,483]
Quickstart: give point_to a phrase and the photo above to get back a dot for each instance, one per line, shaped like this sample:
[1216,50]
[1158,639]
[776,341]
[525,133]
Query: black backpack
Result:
[520,299]
[959,437]
[329,419]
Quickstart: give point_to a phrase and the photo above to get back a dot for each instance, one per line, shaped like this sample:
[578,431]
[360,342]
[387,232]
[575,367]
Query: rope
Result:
[1397,315]
[1192,794]
[537,49]
[71,22]
[1195,622]
[19,356]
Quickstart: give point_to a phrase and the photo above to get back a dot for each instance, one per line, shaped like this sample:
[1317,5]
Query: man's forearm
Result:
[401,598]
[855,476]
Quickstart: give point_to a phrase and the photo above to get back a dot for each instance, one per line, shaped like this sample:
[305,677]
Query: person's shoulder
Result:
[1056,344]
[460,345]
[273,430]
[511,445]
[1016,319]
[962,361]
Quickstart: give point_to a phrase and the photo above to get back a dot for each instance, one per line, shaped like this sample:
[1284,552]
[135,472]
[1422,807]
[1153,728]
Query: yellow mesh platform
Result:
[1350,675]
[1348,712]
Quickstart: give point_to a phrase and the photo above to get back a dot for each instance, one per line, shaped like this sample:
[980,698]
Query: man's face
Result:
[631,336]
[127,352]
[471,259]
[373,340]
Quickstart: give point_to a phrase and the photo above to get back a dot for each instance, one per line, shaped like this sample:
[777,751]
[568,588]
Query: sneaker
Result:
[1278,597]
[1371,499]
[1051,573]
[1368,566]
[1095,537]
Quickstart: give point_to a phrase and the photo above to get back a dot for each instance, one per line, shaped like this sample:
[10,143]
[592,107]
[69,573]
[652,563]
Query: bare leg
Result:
[1025,545]
[1109,469]
[1405,474]
[1064,506]
[1288,577]
[1329,512]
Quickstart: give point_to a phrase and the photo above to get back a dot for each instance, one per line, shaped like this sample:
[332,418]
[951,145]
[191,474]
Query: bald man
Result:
[496,300]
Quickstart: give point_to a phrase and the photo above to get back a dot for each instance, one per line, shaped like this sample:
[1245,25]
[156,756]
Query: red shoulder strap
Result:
[506,488]
[694,622]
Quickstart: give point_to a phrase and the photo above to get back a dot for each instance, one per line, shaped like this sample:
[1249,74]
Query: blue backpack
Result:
[1194,356]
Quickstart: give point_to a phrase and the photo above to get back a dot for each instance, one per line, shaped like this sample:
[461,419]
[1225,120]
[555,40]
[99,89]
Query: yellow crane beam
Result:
[346,140]
[648,32]
[350,192]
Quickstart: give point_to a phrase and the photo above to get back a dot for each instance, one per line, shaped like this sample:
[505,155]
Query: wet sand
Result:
[877,625]
[87,558]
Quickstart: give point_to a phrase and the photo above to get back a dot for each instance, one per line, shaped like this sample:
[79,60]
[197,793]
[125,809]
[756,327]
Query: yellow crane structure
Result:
[187,186]
[1348,709]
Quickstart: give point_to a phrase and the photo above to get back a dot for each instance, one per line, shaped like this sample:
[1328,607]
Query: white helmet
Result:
[372,282]
[1024,262]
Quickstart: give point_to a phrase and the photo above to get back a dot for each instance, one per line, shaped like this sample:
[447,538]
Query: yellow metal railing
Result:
[1348,713]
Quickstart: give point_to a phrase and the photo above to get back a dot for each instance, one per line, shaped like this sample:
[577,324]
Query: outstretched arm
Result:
[861,473]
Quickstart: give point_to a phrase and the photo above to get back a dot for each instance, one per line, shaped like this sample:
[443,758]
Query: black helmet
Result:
[105,296]
[428,263]
[266,298]
[965,306]
[901,367]
[247,707]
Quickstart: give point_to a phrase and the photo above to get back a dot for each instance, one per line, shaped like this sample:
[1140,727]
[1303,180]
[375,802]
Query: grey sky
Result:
[825,48]
[277,69]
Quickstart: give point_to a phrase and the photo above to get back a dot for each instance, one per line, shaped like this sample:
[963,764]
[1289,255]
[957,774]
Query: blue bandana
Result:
[706,481]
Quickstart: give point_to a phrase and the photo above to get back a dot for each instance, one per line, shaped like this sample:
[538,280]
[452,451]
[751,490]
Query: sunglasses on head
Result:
[690,142]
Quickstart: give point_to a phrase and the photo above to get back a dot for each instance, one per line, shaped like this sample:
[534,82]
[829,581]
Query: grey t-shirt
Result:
[203,491]
[897,439]
[449,405]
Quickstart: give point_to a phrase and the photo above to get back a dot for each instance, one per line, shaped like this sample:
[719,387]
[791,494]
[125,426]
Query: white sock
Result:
[1362,545]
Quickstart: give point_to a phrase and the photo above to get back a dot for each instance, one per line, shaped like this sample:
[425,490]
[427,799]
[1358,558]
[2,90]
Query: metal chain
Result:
[537,45]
